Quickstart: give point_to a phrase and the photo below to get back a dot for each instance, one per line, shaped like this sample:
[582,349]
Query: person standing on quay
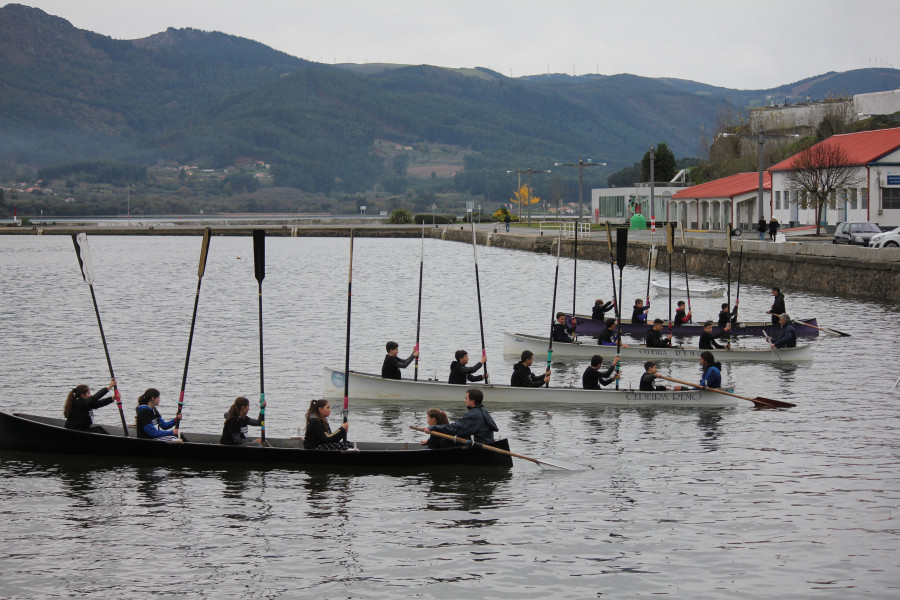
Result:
[778,308]
[506,221]
[761,228]
[773,228]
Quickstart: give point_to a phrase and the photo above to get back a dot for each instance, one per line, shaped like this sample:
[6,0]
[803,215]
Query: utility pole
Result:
[527,172]
[581,166]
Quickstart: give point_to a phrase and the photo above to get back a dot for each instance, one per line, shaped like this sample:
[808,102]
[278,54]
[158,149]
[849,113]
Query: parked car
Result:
[888,239]
[855,232]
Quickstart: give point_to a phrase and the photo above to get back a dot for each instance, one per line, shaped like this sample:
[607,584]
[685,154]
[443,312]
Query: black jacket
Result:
[318,432]
[648,383]
[607,338]
[778,305]
[522,377]
[639,315]
[788,337]
[724,318]
[234,432]
[561,333]
[593,378]
[655,339]
[460,374]
[392,365]
[598,313]
[81,414]
[708,340]
[680,317]
[476,423]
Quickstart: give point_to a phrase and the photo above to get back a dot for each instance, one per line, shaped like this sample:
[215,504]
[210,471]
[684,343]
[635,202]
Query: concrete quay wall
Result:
[820,267]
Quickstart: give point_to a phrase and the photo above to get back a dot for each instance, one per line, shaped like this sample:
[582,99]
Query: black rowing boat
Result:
[30,433]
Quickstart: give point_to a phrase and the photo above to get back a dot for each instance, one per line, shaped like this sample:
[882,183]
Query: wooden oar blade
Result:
[83,251]
[768,402]
[204,250]
[621,247]
[259,253]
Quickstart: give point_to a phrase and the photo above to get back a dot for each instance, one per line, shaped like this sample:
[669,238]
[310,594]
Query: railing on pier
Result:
[568,228]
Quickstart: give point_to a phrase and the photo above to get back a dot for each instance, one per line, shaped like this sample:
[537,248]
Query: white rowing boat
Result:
[365,386]
[696,292]
[515,343]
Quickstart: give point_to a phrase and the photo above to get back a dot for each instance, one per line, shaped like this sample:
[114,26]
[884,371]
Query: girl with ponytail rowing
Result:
[80,405]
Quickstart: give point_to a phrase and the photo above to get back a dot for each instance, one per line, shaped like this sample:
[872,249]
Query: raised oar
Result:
[767,402]
[543,463]
[419,315]
[346,410]
[649,267]
[259,266]
[204,250]
[480,318]
[728,252]
[612,269]
[621,259]
[737,298]
[553,309]
[670,248]
[687,284]
[574,273]
[83,252]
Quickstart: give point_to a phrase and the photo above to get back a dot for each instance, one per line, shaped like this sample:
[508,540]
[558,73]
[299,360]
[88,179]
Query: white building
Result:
[714,204]
[616,205]
[876,156]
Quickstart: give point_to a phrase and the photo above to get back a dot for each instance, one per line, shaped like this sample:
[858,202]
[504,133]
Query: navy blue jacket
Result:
[477,423]
[150,423]
[788,337]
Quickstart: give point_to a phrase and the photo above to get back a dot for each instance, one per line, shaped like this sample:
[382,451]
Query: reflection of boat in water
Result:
[698,292]
[805,328]
[515,343]
[365,386]
[31,433]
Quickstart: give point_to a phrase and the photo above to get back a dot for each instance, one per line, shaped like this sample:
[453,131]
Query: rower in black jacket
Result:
[80,404]
[561,331]
[655,338]
[236,427]
[598,312]
[522,376]
[681,315]
[593,377]
[778,308]
[390,369]
[708,340]
[460,373]
[788,337]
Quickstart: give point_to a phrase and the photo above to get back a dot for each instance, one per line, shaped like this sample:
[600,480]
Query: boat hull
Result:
[589,327]
[29,433]
[515,343]
[695,292]
[365,386]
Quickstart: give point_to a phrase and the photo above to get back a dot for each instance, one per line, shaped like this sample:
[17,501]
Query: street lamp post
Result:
[761,138]
[527,172]
[581,165]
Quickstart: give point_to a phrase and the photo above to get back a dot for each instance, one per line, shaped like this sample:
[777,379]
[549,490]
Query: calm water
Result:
[680,503]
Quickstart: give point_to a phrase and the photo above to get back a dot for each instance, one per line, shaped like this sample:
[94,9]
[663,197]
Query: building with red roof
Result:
[876,155]
[713,204]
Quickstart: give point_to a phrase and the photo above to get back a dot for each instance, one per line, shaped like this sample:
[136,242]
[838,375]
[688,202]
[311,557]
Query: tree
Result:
[818,173]
[663,164]
[524,197]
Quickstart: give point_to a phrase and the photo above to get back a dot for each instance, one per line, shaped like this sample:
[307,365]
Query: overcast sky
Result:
[747,44]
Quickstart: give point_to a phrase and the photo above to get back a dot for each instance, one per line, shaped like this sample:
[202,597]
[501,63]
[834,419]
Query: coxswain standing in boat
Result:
[708,340]
[318,435]
[712,373]
[80,404]
[522,376]
[236,427]
[562,331]
[390,369]
[460,373]
[777,306]
[598,312]
[608,336]
[681,314]
[639,312]
[476,423]
[593,378]
[655,338]
[648,379]
[788,337]
[150,424]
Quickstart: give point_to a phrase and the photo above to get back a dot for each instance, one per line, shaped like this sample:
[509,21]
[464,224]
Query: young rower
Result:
[236,427]
[648,379]
[390,369]
[598,312]
[150,424]
[318,435]
[708,340]
[608,335]
[476,423]
[562,331]
[460,373]
[681,314]
[654,336]
[593,378]
[522,376]
[80,404]
[639,312]
[436,416]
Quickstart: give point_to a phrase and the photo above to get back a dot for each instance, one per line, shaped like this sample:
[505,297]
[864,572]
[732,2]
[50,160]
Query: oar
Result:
[649,267]
[621,259]
[687,284]
[737,298]
[769,339]
[480,317]
[670,248]
[767,402]
[612,268]
[825,329]
[543,463]
[259,265]
[553,308]
[83,252]
[346,410]
[574,275]
[728,251]
[204,250]
[419,315]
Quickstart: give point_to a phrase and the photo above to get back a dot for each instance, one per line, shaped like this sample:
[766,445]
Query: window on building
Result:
[851,198]
[890,198]
[778,200]
[864,197]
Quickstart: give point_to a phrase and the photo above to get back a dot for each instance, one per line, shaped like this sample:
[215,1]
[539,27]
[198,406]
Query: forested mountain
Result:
[210,99]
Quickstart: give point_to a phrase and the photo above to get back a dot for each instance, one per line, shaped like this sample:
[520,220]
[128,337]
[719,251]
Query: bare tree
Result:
[819,173]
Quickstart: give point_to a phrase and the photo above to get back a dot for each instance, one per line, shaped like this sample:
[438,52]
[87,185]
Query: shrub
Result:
[439,219]
[400,216]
